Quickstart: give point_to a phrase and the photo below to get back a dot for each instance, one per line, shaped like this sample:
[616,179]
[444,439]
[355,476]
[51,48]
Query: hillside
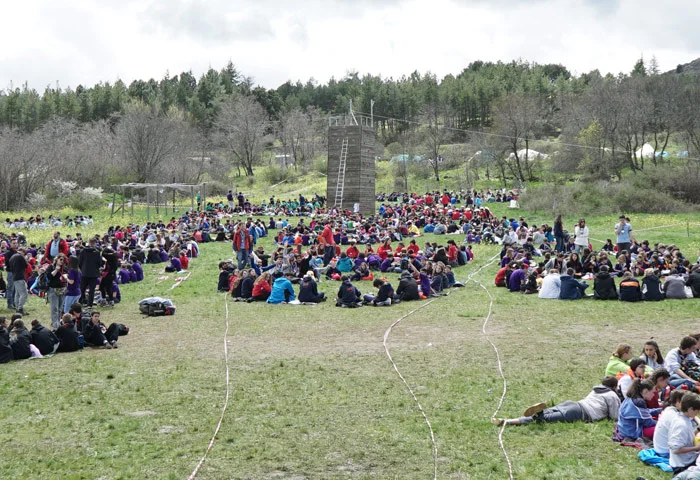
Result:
[692,68]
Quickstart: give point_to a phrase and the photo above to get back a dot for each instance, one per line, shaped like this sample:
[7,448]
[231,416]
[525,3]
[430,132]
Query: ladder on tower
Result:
[340,185]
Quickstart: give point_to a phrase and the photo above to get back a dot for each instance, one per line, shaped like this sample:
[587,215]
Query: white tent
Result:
[647,151]
[531,155]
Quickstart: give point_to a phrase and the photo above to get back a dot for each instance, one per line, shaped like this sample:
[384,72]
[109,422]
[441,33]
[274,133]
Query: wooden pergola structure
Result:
[159,198]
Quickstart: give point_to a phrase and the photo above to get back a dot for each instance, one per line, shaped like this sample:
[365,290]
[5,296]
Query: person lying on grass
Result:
[601,403]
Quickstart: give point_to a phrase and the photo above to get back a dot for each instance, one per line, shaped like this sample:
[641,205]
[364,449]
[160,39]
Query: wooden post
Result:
[148,203]
[114,200]
[173,198]
[687,227]
[123,204]
[192,198]
[157,200]
[132,201]
[204,196]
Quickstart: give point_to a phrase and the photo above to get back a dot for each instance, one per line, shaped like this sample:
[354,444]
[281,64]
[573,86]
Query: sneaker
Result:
[498,421]
[114,344]
[534,409]
[22,311]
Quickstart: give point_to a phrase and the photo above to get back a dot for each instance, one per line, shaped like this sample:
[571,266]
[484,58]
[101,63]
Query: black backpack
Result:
[156,307]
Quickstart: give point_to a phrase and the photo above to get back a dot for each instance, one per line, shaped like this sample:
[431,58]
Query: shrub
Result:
[86,199]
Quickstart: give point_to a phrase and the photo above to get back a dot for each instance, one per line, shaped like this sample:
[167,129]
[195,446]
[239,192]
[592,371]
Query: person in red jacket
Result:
[56,246]
[242,244]
[184,260]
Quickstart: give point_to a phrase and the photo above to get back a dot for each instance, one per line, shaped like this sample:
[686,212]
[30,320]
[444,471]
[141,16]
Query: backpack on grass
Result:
[156,306]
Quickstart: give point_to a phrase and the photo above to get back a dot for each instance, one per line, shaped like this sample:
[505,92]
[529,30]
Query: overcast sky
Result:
[87,41]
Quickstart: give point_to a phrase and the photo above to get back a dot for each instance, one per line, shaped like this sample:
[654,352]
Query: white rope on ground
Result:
[223,410]
[420,407]
[179,280]
[498,359]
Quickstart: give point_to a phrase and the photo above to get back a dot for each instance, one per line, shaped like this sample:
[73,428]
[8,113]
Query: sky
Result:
[74,42]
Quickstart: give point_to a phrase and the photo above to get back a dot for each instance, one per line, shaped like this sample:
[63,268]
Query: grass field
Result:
[313,394]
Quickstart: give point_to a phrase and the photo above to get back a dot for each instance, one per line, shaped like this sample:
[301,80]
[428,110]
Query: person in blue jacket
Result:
[571,289]
[635,419]
[282,291]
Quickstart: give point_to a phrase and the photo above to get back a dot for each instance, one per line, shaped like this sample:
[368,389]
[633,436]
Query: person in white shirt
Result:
[581,235]
[681,433]
[666,418]
[551,285]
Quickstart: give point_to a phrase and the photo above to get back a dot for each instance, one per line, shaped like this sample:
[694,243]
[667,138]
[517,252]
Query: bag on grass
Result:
[156,306]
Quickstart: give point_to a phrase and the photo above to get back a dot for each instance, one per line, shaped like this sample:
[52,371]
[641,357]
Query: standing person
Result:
[242,244]
[10,293]
[326,239]
[18,267]
[57,275]
[109,274]
[89,261]
[72,284]
[559,234]
[581,235]
[229,198]
[623,230]
[57,245]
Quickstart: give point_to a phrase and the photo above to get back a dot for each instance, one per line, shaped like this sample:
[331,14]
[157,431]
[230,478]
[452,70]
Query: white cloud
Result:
[83,41]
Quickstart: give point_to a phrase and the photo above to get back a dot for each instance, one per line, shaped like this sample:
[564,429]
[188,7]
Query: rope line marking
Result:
[225,407]
[498,359]
[420,407]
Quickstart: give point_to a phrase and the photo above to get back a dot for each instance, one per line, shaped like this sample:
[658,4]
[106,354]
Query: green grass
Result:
[312,392]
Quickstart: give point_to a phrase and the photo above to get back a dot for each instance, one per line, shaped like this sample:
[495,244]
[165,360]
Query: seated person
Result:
[362,273]
[308,290]
[674,286]
[20,340]
[282,290]
[652,291]
[43,338]
[175,265]
[97,334]
[630,290]
[679,357]
[635,419]
[604,285]
[67,335]
[247,285]
[571,289]
[551,285]
[384,296]
[681,434]
[601,403]
[619,360]
[184,260]
[408,288]
[261,288]
[348,294]
[666,418]
[5,348]
[635,372]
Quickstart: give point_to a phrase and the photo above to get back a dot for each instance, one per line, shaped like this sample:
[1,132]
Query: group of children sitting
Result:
[77,329]
[668,274]
[653,399]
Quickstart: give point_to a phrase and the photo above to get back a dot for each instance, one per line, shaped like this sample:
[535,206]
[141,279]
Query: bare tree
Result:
[296,132]
[147,139]
[242,125]
[434,139]
[519,120]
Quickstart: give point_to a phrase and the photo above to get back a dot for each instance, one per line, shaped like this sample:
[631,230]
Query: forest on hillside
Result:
[488,118]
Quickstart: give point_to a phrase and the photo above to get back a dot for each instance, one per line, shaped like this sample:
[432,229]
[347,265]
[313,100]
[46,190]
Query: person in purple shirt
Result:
[138,270]
[517,278]
[175,265]
[124,275]
[72,284]
[132,275]
[163,255]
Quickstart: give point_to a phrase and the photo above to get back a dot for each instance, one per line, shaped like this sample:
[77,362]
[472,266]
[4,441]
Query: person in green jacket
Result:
[619,361]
